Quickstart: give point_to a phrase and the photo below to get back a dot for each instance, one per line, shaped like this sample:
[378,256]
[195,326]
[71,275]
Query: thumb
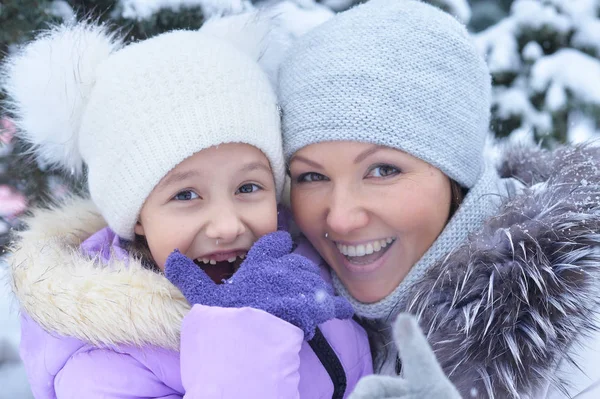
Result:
[418,360]
[273,245]
[183,273]
[380,387]
[343,309]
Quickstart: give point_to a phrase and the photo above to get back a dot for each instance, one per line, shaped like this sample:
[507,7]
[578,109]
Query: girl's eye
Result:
[248,188]
[186,195]
[310,177]
[383,171]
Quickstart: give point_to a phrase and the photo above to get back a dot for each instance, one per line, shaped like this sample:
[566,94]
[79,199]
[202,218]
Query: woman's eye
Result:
[310,177]
[186,195]
[248,188]
[383,171]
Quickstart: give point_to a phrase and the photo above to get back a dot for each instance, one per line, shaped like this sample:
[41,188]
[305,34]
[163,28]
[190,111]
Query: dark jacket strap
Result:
[331,362]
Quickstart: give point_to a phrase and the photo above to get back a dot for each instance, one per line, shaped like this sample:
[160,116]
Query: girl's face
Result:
[211,207]
[370,211]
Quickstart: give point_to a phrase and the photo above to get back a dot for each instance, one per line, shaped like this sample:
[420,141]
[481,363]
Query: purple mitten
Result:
[285,285]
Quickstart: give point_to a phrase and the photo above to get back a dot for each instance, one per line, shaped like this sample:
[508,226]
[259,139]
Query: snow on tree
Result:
[459,8]
[485,13]
[545,62]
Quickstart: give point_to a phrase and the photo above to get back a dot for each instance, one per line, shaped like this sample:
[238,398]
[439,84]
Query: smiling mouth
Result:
[220,270]
[365,254]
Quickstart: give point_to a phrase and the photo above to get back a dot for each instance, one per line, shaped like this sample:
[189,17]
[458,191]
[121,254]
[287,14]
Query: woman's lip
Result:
[355,243]
[363,269]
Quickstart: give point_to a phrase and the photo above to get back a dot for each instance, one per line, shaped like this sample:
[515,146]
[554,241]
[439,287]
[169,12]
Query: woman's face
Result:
[371,211]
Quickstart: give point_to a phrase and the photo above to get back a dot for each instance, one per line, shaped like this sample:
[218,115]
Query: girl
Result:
[180,137]
[385,114]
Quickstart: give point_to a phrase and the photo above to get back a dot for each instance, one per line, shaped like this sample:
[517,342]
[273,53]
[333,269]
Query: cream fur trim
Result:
[66,292]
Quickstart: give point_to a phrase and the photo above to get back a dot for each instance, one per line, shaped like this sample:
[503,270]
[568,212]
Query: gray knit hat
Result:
[398,73]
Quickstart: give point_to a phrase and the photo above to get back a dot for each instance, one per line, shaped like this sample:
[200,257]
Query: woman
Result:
[385,114]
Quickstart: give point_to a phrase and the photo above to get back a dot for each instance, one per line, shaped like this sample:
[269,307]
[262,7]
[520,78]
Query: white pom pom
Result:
[246,31]
[48,83]
[256,33]
[266,34]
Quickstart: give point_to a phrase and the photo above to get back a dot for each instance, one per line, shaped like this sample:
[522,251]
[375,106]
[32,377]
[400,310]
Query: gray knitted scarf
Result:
[481,202]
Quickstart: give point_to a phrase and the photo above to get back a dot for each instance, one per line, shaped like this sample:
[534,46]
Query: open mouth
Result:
[365,254]
[220,270]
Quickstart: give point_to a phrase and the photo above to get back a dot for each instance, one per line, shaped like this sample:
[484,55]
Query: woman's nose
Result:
[345,214]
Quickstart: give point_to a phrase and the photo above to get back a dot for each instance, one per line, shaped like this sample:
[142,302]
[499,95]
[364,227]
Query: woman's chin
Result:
[369,291]
[365,297]
[366,287]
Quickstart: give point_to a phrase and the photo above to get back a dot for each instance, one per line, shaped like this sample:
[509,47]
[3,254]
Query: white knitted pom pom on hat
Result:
[48,83]
[259,34]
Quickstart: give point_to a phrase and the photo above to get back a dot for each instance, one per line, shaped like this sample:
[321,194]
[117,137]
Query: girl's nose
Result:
[225,226]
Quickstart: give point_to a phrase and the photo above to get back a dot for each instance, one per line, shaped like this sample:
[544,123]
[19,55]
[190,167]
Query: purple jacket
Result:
[113,329]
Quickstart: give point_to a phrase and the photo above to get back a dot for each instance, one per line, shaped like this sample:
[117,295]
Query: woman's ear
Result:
[139,229]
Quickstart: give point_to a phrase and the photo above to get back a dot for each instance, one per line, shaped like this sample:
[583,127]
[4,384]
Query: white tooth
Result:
[383,243]
[205,261]
[213,262]
[376,246]
[360,250]
[243,256]
[389,240]
[339,247]
[231,260]
[345,249]
[369,249]
[351,251]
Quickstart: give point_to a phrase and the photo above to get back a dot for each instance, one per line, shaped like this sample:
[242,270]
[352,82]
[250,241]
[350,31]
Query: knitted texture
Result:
[134,112]
[396,73]
[480,203]
[160,101]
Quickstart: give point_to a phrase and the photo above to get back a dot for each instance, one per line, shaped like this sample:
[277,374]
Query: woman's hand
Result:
[272,279]
[422,378]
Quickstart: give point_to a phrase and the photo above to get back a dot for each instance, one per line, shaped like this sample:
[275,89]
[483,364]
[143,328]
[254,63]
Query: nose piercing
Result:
[217,242]
[326,235]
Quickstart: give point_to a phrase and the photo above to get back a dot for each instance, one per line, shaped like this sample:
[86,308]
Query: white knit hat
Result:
[132,113]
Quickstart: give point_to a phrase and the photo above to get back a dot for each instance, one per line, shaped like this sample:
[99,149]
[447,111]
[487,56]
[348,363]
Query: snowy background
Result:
[13,381]
[544,56]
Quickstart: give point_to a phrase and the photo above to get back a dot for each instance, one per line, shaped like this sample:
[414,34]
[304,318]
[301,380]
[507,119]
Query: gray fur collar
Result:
[503,308]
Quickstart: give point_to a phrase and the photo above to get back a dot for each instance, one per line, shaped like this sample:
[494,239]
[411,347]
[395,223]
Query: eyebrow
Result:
[306,161]
[256,165]
[176,177]
[363,155]
[359,158]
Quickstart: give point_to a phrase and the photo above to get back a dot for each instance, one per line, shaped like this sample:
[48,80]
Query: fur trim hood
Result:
[67,292]
[504,308]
